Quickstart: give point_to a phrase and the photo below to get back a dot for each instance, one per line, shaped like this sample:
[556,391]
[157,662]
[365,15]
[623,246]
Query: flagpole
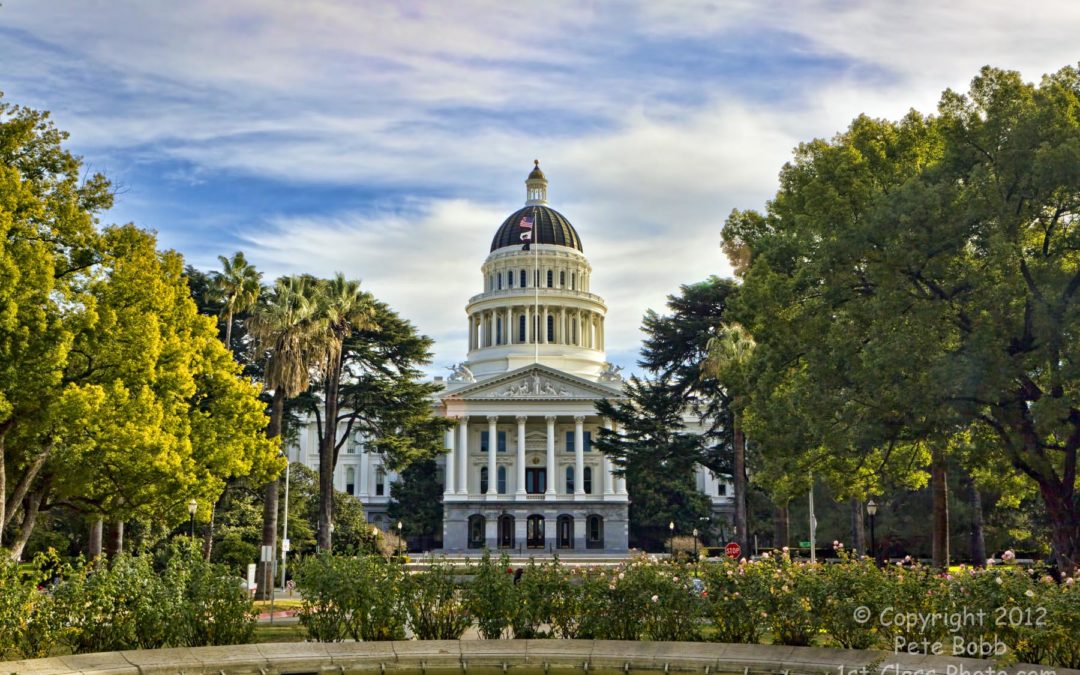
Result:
[536,291]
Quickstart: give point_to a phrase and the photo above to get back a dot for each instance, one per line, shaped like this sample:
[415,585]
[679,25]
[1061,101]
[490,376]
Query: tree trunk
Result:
[940,489]
[114,543]
[93,544]
[741,530]
[3,483]
[326,454]
[781,527]
[208,534]
[265,570]
[228,332]
[30,512]
[978,540]
[1064,523]
[858,527]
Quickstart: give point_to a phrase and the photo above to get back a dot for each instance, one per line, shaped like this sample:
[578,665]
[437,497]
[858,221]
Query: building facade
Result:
[520,471]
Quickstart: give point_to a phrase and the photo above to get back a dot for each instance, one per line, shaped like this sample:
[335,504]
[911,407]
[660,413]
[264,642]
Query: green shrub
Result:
[490,596]
[853,595]
[732,602]
[436,608]
[359,597]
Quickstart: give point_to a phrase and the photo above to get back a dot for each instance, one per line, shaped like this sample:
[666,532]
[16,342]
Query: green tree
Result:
[285,328]
[913,278]
[658,456]
[416,502]
[236,288]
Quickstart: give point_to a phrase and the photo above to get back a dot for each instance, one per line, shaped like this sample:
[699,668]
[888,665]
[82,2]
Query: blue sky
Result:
[389,140]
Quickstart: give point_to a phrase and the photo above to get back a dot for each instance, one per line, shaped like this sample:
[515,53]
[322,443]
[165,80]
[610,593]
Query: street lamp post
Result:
[671,538]
[871,510]
[695,544]
[192,507]
[285,545]
[399,537]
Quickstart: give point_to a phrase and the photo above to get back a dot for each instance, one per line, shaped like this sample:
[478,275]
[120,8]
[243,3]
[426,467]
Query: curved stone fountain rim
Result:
[446,656]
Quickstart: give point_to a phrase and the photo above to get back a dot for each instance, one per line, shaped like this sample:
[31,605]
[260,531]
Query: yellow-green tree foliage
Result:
[115,395]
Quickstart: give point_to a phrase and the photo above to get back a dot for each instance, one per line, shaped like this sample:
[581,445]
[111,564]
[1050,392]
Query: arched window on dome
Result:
[521,328]
[562,279]
[550,278]
[498,330]
[522,284]
[510,279]
[551,328]
[498,281]
[573,281]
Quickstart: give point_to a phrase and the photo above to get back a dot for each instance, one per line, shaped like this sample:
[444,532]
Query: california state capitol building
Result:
[520,472]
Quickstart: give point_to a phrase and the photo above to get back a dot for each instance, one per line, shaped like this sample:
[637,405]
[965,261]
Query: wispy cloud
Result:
[389,140]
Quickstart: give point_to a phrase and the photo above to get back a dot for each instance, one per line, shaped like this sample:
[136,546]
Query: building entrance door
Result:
[535,532]
[506,532]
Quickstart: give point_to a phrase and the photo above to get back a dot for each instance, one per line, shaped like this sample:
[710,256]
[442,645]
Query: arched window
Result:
[573,280]
[350,480]
[501,485]
[594,532]
[498,279]
[380,482]
[522,284]
[569,480]
[587,480]
[521,328]
[510,279]
[498,330]
[506,531]
[562,279]
[550,278]
[551,328]
[534,531]
[477,525]
[483,480]
[536,277]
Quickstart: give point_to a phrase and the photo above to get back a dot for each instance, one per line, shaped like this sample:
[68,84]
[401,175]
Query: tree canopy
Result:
[912,279]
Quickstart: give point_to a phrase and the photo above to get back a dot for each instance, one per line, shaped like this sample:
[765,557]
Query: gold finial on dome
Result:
[536,186]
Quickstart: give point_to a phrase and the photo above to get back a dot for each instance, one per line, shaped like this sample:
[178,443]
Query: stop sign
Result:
[732,550]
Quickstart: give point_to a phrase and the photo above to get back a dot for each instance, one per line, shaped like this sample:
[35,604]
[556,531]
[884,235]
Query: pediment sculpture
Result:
[459,372]
[534,386]
[611,373]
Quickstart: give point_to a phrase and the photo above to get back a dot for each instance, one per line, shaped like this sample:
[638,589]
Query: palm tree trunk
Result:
[228,331]
[326,454]
[940,488]
[264,574]
[741,531]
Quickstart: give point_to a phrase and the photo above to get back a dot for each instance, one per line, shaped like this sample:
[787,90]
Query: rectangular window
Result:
[510,279]
[586,437]
[484,441]
[499,277]
[502,480]
[535,480]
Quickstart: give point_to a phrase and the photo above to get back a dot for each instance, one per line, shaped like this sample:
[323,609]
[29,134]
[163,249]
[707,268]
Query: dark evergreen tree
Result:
[417,504]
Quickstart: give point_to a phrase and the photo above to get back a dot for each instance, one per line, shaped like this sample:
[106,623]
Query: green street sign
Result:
[804,544]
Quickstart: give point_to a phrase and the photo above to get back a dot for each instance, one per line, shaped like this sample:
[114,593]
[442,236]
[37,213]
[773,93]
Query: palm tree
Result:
[285,328]
[237,287]
[342,309]
[729,354]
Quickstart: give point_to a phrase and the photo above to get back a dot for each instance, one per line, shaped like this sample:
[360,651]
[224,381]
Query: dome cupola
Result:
[548,225]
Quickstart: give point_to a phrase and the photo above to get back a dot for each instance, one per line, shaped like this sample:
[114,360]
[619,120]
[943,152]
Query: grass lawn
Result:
[265,632]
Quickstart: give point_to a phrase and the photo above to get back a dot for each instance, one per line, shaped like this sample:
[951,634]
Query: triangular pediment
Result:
[535,382]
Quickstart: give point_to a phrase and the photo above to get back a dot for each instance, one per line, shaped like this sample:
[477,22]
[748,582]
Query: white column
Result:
[551,477]
[508,332]
[493,446]
[365,469]
[620,483]
[543,324]
[520,460]
[494,335]
[605,468]
[528,325]
[450,463]
[579,455]
[463,456]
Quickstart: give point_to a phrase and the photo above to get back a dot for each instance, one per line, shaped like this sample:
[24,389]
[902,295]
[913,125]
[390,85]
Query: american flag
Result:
[526,224]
